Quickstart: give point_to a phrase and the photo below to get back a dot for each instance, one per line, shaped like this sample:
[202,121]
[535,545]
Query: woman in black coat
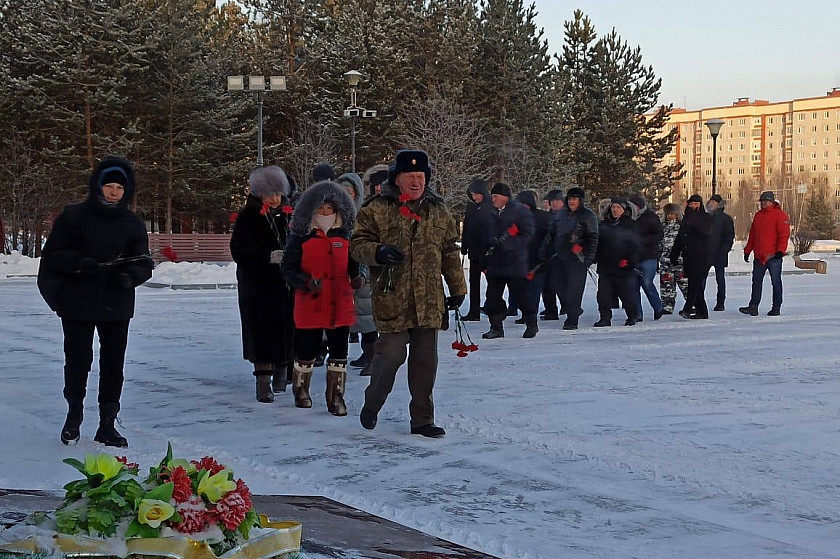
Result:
[95,256]
[265,301]
[693,244]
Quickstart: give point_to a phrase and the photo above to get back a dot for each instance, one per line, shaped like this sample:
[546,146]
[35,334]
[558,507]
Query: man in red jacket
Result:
[768,242]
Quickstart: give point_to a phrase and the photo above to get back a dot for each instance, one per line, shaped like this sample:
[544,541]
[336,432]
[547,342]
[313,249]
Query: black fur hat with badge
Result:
[410,161]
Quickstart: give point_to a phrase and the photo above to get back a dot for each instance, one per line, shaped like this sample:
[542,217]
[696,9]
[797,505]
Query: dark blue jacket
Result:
[509,257]
[568,229]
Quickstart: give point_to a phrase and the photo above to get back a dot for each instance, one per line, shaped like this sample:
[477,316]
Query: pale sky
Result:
[710,52]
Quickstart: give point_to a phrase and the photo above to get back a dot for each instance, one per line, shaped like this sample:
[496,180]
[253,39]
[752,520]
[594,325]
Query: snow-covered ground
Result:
[717,438]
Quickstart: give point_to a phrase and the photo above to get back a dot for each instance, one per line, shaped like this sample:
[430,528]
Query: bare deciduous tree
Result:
[454,141]
[315,143]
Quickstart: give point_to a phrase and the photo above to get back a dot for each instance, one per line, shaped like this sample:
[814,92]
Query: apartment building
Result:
[786,146]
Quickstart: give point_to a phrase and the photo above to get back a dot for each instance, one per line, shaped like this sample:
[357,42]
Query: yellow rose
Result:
[153,511]
[104,464]
[217,486]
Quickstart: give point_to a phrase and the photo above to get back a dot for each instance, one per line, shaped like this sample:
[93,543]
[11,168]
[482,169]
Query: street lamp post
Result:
[258,84]
[714,129]
[354,111]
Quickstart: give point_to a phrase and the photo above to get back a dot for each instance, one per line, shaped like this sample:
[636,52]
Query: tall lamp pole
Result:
[353,77]
[258,84]
[714,129]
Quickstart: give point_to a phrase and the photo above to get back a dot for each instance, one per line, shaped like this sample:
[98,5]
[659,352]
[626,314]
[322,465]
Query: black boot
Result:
[107,434]
[75,414]
[497,330]
[278,377]
[531,327]
[364,358]
[605,320]
[265,394]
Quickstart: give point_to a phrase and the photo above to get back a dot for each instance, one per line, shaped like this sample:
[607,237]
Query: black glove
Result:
[123,281]
[780,255]
[746,257]
[88,265]
[453,302]
[389,255]
[313,286]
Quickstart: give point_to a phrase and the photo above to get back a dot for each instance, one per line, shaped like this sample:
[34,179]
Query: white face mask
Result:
[325,222]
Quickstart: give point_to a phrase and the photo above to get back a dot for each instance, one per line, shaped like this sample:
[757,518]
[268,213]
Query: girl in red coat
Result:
[318,266]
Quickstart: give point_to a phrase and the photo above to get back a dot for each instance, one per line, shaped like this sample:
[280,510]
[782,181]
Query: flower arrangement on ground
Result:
[199,499]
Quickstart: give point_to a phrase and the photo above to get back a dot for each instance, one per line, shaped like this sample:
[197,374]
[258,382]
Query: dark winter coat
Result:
[410,294]
[542,223]
[721,237]
[107,234]
[363,296]
[693,242]
[618,241]
[478,219]
[650,233]
[265,301]
[509,258]
[314,256]
[568,229]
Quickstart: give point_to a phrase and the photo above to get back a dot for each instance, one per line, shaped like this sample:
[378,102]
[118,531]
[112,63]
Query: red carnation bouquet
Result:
[199,499]
[511,231]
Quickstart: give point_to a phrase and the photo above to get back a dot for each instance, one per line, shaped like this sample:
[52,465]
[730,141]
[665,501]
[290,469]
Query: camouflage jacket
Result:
[670,230]
[410,294]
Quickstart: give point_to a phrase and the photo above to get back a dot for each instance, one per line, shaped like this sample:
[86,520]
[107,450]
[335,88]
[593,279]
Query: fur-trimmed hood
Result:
[109,165]
[312,199]
[368,176]
[354,181]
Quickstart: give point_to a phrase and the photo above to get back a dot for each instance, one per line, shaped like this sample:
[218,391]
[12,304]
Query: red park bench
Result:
[190,247]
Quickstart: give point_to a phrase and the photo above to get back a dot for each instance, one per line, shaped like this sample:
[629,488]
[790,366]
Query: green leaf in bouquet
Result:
[101,522]
[67,520]
[75,489]
[161,492]
[76,464]
[175,518]
[138,530]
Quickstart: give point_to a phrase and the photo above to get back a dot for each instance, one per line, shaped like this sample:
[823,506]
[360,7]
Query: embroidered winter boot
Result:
[300,383]
[107,433]
[336,379]
[75,414]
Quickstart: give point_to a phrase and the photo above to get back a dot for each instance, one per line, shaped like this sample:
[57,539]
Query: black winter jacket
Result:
[721,237]
[650,234]
[568,229]
[618,240]
[509,258]
[478,219]
[107,234]
[693,242]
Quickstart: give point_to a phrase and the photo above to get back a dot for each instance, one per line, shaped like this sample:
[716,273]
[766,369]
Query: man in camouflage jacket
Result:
[408,238]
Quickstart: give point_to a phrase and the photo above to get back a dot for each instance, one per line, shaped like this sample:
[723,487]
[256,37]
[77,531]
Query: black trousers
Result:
[517,287]
[696,298]
[621,286]
[78,358]
[549,295]
[308,342]
[569,278]
[476,267]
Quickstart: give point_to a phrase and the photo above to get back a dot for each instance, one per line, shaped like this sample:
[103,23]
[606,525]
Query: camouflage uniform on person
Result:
[671,276]
[409,239]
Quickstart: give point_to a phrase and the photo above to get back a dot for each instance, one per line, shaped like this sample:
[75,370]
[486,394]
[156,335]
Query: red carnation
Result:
[472,347]
[530,275]
[623,264]
[265,208]
[513,230]
[233,217]
[232,510]
[208,463]
[414,216]
[577,249]
[193,517]
[404,198]
[287,209]
[406,211]
[243,490]
[183,486]
[128,465]
[462,353]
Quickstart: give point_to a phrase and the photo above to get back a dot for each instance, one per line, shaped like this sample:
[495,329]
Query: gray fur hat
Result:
[265,181]
[314,197]
[673,209]
[355,182]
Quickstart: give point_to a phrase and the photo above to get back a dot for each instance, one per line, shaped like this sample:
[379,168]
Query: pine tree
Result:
[512,89]
[819,215]
[614,142]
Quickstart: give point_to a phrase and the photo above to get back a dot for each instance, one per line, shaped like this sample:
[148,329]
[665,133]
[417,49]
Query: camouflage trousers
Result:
[671,276]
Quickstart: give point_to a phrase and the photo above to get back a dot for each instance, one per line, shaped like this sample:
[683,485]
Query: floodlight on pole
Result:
[257,84]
